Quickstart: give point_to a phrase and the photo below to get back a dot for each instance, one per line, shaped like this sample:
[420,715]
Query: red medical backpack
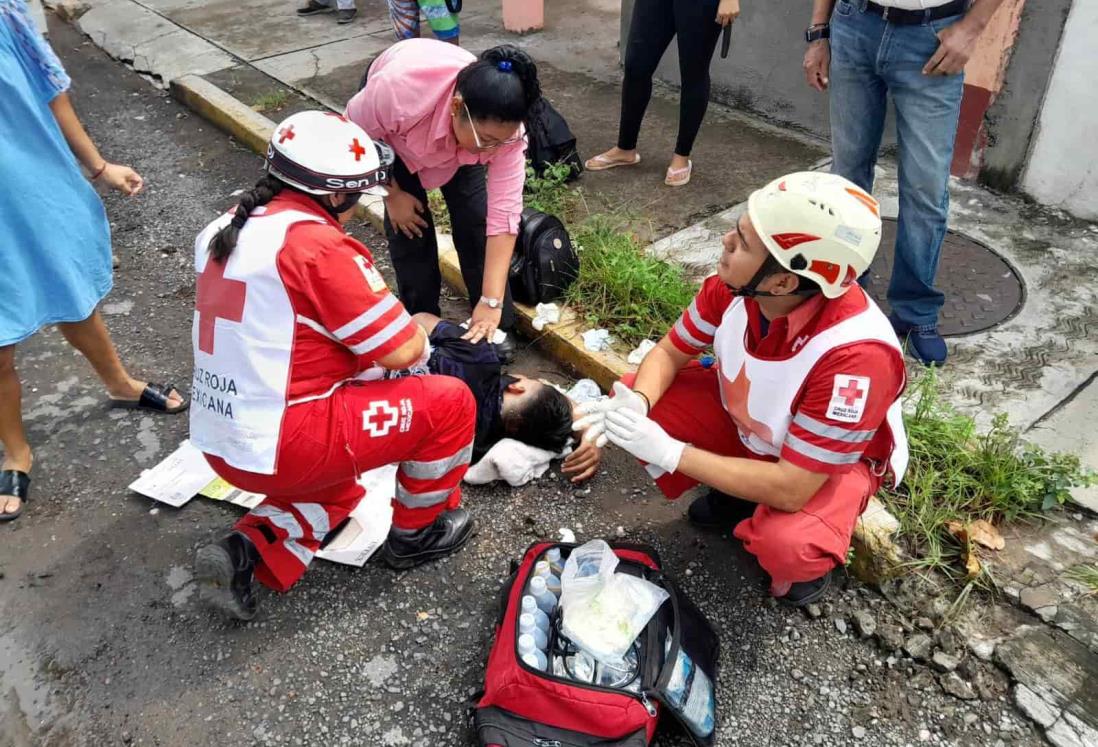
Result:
[526,707]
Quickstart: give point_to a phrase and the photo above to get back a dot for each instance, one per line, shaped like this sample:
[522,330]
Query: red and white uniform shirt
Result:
[297,310]
[820,390]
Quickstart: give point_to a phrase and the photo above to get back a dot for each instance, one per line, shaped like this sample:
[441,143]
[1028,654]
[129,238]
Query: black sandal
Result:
[14,484]
[155,398]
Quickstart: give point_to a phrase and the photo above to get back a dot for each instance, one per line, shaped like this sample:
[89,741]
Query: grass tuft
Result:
[272,101]
[1087,575]
[959,474]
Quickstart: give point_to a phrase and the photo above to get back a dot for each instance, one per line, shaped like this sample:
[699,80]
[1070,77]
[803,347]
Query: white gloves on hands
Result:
[594,413]
[644,438]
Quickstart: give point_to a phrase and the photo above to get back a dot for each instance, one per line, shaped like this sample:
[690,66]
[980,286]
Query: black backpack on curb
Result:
[550,140]
[545,263]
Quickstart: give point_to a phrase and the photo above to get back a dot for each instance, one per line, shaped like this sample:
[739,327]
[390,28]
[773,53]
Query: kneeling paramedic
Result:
[293,330]
[799,416]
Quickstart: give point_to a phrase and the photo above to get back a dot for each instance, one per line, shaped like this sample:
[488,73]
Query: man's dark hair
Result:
[543,420]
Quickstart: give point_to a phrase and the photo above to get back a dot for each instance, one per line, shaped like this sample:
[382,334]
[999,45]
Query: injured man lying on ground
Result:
[510,408]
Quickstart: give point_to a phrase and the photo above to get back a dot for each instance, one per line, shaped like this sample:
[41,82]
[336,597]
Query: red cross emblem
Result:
[357,149]
[379,417]
[216,298]
[851,393]
[286,133]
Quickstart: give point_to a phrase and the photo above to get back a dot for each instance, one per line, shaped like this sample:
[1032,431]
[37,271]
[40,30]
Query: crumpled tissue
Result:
[545,313]
[640,351]
[584,390]
[596,340]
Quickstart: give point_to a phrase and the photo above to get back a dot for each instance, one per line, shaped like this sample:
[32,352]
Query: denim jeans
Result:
[870,60]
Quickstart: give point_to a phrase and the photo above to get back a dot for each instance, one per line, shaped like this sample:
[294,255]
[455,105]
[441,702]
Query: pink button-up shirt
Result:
[407,104]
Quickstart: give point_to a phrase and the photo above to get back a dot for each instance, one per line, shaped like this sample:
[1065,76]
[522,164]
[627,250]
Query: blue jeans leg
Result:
[857,94]
[927,110]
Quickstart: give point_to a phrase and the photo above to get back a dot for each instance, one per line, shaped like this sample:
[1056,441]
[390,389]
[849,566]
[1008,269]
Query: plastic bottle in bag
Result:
[527,626]
[527,648]
[552,581]
[530,607]
[556,563]
[539,590]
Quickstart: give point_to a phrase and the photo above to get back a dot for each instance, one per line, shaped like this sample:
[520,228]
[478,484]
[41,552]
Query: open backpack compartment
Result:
[671,669]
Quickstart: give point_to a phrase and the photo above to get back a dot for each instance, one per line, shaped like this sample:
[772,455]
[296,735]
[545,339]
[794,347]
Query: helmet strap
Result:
[348,202]
[768,268]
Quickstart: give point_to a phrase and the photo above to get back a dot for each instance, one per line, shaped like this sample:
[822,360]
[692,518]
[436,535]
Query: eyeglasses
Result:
[476,136]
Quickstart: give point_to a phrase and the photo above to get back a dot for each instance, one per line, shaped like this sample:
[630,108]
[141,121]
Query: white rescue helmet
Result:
[326,153]
[818,225]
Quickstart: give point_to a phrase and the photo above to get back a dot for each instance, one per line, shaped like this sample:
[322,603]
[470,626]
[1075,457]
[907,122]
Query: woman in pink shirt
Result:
[455,123]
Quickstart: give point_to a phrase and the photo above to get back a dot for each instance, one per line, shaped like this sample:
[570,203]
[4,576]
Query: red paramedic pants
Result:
[424,423]
[791,547]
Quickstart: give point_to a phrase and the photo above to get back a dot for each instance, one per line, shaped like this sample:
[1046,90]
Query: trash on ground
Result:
[584,390]
[640,351]
[596,340]
[545,313]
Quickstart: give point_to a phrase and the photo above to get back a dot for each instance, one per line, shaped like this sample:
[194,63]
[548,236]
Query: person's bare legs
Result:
[17,452]
[93,340]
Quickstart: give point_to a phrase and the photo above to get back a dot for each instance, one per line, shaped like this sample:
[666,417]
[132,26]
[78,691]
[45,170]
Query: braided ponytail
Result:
[224,241]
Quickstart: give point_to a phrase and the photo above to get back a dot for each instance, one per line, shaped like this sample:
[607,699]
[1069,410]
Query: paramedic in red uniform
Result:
[293,330]
[799,417]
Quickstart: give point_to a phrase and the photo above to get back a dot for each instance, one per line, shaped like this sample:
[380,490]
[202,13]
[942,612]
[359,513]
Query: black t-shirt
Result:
[480,368]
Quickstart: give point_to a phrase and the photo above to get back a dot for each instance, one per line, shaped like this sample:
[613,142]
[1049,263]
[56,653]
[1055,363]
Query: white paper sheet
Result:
[185,473]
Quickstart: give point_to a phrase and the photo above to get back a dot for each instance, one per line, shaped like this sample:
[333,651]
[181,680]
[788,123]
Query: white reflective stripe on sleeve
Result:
[421,500]
[315,327]
[302,554]
[435,469]
[834,432]
[695,316]
[317,517]
[393,329]
[689,339]
[819,453]
[281,519]
[367,317]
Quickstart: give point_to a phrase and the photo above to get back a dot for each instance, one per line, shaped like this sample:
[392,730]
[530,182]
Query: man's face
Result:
[743,255]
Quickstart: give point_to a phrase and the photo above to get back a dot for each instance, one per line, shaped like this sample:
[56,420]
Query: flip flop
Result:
[674,177]
[154,398]
[15,484]
[602,163]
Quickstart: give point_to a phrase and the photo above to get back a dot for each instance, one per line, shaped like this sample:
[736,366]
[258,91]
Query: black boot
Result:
[804,593]
[224,574]
[407,549]
[717,510]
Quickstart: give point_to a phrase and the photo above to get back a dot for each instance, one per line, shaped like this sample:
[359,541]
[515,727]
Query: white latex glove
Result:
[594,413]
[644,438]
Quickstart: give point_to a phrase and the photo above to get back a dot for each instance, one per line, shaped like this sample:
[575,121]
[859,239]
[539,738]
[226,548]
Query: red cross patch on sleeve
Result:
[373,277]
[849,395]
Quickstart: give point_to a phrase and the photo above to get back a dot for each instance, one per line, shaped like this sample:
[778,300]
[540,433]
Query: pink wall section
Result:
[983,81]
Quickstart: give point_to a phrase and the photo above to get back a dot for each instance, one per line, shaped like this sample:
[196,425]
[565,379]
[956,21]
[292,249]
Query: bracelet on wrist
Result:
[99,173]
[647,402]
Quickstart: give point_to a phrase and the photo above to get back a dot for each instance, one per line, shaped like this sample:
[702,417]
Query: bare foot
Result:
[22,463]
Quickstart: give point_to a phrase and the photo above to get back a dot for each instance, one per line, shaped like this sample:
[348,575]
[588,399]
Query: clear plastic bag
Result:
[604,611]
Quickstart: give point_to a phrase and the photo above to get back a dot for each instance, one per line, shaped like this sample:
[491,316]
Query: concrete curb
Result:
[876,557]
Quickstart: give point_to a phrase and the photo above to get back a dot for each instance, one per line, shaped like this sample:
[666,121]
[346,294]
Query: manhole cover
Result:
[981,289]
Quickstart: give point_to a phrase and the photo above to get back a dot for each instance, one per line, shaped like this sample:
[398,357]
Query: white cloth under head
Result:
[513,461]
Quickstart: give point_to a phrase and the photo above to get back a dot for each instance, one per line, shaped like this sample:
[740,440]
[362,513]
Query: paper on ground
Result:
[185,473]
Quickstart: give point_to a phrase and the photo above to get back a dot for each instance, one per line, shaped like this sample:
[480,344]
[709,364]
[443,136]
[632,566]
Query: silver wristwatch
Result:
[491,303]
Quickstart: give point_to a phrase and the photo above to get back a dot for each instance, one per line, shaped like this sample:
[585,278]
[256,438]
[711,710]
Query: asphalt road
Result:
[102,642]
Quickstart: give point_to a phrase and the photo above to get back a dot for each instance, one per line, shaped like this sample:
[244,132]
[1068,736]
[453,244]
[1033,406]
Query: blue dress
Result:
[55,243]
